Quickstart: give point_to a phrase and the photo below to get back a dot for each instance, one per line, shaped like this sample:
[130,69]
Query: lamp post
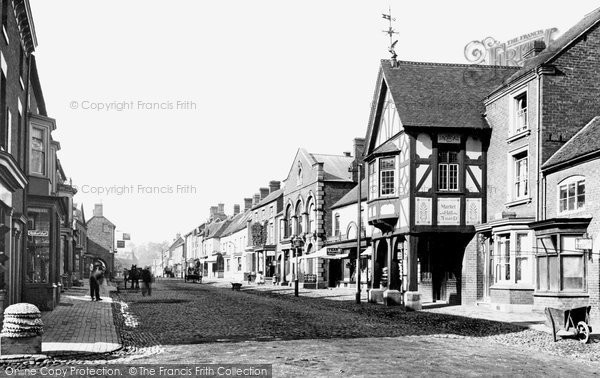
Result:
[359,229]
[298,243]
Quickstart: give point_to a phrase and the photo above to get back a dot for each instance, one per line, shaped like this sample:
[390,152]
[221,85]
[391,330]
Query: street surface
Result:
[203,323]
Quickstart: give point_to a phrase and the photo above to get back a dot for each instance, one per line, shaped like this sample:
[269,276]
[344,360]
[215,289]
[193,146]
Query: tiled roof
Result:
[556,47]
[270,198]
[350,197]
[335,166]
[176,243]
[586,141]
[440,94]
[215,229]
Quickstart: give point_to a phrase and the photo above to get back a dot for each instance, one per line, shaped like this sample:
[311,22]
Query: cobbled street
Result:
[208,323]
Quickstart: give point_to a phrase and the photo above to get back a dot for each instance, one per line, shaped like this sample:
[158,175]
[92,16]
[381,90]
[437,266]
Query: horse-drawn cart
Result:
[573,322]
[193,275]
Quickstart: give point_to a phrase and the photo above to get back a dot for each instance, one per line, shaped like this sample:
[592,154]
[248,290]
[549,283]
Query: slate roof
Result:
[586,141]
[270,198]
[441,94]
[239,222]
[215,229]
[350,197]
[178,242]
[335,166]
[557,46]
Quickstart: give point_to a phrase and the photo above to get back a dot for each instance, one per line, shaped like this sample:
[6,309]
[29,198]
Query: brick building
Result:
[79,243]
[101,241]
[314,183]
[532,114]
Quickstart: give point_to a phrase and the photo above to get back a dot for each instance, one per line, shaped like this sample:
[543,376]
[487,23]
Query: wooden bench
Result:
[236,286]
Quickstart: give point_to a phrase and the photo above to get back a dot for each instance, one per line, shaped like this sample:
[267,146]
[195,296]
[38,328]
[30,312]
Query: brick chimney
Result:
[221,208]
[347,154]
[263,192]
[359,148]
[213,211]
[247,204]
[274,185]
[98,210]
[534,49]
[236,210]
[256,199]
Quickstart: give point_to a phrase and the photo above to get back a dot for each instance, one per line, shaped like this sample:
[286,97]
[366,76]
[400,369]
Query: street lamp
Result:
[298,243]
[359,229]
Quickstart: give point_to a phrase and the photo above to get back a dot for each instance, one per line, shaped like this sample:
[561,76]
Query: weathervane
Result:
[391,33]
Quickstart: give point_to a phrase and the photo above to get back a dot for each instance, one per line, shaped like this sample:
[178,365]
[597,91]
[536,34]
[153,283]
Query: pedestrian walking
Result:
[146,282]
[96,278]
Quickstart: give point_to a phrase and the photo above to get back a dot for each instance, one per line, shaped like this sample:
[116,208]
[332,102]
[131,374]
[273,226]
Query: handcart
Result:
[573,322]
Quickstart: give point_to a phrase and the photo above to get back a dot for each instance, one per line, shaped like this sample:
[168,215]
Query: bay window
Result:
[560,266]
[448,170]
[387,175]
[512,258]
[38,151]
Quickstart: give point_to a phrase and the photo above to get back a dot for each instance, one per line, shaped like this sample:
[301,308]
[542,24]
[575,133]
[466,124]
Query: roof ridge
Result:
[344,156]
[592,121]
[442,64]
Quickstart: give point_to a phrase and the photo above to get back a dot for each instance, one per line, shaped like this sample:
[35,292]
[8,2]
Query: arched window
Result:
[336,225]
[287,222]
[311,217]
[571,194]
[299,219]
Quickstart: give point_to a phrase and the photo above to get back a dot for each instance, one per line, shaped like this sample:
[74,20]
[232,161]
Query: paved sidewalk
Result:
[79,325]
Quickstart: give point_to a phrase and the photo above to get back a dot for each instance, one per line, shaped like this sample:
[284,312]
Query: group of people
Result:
[97,276]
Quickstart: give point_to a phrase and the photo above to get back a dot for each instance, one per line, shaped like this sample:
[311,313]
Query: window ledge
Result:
[512,286]
[518,202]
[561,294]
[518,136]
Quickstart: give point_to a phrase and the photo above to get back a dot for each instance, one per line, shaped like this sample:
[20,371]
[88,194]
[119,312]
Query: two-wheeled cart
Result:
[574,322]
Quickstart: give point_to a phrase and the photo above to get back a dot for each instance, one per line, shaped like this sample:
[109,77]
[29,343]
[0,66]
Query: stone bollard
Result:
[22,330]
[413,301]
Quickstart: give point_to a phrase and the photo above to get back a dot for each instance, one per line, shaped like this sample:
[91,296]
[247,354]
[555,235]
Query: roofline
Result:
[544,166]
[573,161]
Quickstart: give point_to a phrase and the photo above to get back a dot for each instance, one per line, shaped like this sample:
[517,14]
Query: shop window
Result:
[448,170]
[38,246]
[561,267]
[512,258]
[387,176]
[571,194]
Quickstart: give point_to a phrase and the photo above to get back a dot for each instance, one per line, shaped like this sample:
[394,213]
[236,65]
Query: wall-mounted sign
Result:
[449,138]
[583,243]
[473,211]
[120,244]
[332,251]
[40,233]
[270,253]
[448,210]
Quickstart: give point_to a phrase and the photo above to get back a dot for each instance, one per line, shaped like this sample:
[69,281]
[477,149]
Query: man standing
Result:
[146,281]
[96,278]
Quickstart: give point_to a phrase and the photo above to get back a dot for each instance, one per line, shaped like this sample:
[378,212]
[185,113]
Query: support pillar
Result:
[413,297]
[376,292]
[391,297]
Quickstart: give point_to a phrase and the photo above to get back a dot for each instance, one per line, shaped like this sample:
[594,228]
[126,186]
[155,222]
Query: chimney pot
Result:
[534,49]
[98,211]
[347,154]
[236,209]
[221,208]
[264,192]
[274,185]
[247,204]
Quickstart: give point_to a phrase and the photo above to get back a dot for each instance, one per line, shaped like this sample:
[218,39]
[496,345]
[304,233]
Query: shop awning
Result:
[367,252]
[325,253]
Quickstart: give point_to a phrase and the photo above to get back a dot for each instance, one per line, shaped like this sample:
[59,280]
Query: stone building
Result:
[101,241]
[314,183]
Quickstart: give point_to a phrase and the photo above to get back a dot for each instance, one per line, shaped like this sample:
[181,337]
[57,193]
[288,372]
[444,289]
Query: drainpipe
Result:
[539,194]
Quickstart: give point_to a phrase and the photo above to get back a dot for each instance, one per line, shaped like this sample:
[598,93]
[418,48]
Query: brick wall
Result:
[511,296]
[470,276]
[97,234]
[591,171]
[571,96]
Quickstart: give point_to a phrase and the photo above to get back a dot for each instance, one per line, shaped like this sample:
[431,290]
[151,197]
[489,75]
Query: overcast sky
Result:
[255,80]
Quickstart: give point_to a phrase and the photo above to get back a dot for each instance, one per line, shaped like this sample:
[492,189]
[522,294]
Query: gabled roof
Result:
[441,94]
[335,166]
[586,141]
[215,229]
[351,197]
[556,47]
[237,223]
[270,198]
[178,242]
